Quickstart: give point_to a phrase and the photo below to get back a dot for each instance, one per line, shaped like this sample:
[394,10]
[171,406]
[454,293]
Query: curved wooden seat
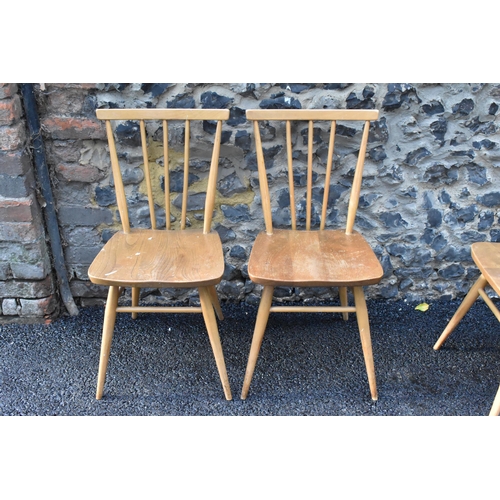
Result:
[313,258]
[149,258]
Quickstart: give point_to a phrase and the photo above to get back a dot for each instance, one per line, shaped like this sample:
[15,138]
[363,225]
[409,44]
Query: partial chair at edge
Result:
[486,256]
[162,258]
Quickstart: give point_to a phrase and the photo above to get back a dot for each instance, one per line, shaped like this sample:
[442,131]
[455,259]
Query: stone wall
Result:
[430,187]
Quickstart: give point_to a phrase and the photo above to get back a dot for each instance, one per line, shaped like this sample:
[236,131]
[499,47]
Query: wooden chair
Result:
[486,256]
[186,257]
[303,257]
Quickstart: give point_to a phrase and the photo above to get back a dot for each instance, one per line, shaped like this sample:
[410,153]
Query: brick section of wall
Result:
[27,288]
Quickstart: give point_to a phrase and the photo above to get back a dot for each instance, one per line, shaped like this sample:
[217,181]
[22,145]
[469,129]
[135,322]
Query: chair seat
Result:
[159,258]
[313,258]
[486,255]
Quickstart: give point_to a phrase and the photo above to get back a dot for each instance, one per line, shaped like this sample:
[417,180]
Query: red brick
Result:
[18,210]
[10,110]
[12,137]
[7,90]
[74,128]
[88,86]
[80,173]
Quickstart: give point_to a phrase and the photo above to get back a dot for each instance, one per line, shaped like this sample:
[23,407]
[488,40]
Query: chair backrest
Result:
[149,130]
[289,129]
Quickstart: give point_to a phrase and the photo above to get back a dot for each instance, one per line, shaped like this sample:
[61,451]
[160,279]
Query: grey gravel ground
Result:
[310,364]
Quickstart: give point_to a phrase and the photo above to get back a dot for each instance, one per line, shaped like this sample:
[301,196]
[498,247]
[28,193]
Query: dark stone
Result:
[89,106]
[297,88]
[472,236]
[300,178]
[465,193]
[226,234]
[451,272]
[379,131]
[479,127]
[210,127]
[393,220]
[385,262]
[439,173]
[230,185]
[336,86]
[414,157]
[433,108]
[464,107]
[444,197]
[397,95]
[493,108]
[230,272]
[404,252]
[106,235]
[283,197]
[366,200]
[176,181]
[377,154]
[469,152]
[301,215]
[105,196]
[212,100]
[129,133]
[439,128]
[363,222]
[477,174]
[485,220]
[414,272]
[243,140]
[155,89]
[495,235]
[196,201]
[428,200]
[238,252]
[182,101]
[280,103]
[112,86]
[489,199]
[345,131]
[411,192]
[451,254]
[236,213]
[434,217]
[236,117]
[352,101]
[316,136]
[466,214]
[269,155]
[485,143]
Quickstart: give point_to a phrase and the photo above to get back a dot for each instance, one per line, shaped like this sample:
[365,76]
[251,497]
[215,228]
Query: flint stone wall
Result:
[431,184]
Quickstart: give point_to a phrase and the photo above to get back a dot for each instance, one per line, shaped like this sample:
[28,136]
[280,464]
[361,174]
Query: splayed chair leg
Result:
[213,334]
[107,337]
[258,335]
[366,343]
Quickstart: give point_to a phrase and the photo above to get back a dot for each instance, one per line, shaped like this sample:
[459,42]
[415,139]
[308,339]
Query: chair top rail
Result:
[162,114]
[312,114]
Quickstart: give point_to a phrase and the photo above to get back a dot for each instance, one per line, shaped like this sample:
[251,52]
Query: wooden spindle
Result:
[186,175]
[309,175]
[331,147]
[212,180]
[264,188]
[291,187]
[147,175]
[166,169]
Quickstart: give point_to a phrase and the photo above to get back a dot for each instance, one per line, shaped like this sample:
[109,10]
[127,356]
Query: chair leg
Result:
[258,335]
[213,334]
[366,343]
[107,337]
[343,301]
[495,409]
[466,304]
[215,302]
[136,291]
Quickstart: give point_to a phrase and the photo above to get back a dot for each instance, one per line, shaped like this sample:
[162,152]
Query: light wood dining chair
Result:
[300,256]
[486,256]
[176,256]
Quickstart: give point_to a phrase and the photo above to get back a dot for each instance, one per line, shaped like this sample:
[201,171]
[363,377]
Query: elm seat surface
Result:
[486,255]
[313,258]
[159,258]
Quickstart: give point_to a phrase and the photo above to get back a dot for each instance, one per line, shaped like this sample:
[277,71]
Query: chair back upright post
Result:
[310,116]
